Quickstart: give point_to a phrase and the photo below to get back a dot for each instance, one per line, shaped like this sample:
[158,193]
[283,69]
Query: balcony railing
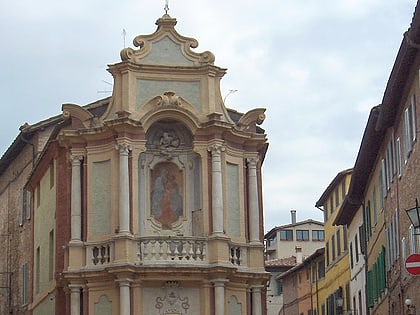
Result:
[173,249]
[152,250]
[99,254]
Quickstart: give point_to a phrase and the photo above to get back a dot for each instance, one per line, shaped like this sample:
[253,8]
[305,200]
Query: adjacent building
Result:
[281,241]
[121,206]
[286,246]
[337,271]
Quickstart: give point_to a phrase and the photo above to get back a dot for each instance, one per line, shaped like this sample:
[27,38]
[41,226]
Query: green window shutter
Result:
[369,288]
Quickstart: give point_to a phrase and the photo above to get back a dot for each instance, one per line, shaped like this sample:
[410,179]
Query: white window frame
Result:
[398,157]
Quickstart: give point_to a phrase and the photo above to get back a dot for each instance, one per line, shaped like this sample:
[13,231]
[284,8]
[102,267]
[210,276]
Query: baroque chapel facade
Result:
[150,201]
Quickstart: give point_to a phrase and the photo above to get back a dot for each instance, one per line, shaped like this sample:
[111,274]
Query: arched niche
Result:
[169,181]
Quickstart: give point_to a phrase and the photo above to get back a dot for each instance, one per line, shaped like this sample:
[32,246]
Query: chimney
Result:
[299,255]
[293,213]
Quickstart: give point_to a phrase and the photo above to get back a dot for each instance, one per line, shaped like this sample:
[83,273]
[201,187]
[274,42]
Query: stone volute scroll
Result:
[252,118]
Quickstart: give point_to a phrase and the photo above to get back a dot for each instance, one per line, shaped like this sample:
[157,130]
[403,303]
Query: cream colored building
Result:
[150,201]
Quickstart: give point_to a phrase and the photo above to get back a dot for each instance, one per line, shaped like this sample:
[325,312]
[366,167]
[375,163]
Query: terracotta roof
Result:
[365,161]
[27,131]
[308,260]
[281,262]
[337,179]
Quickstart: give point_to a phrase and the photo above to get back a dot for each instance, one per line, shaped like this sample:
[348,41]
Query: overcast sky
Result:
[316,66]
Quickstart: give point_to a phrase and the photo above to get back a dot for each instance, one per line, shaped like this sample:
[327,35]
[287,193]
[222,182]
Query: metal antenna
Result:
[166,6]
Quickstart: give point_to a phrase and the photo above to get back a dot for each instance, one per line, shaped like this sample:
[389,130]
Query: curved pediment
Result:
[166,47]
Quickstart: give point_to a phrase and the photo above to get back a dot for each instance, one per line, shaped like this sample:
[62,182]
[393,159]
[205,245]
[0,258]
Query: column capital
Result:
[76,159]
[216,149]
[75,287]
[219,282]
[252,161]
[124,282]
[123,147]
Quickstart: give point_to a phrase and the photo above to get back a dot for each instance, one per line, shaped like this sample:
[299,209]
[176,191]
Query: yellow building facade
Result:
[336,284]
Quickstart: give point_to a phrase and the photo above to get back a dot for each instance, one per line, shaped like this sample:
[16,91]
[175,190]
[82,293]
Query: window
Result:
[286,235]
[410,128]
[38,195]
[24,205]
[398,157]
[331,204]
[51,256]
[392,237]
[279,287]
[367,220]
[356,247]
[337,197]
[343,189]
[321,269]
[302,235]
[317,235]
[327,253]
[348,295]
[338,233]
[351,255]
[382,190]
[376,279]
[37,268]
[375,207]
[345,240]
[333,247]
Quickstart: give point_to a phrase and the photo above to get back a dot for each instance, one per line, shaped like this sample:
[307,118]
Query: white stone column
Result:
[217,188]
[219,296]
[254,215]
[256,300]
[124,201]
[125,297]
[76,198]
[74,299]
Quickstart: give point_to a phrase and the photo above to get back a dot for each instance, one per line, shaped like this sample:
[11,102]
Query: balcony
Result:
[161,250]
[152,250]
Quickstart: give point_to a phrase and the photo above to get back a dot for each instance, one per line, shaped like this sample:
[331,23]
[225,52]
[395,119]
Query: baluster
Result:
[153,253]
[146,250]
[160,250]
[108,253]
[102,259]
[169,249]
[238,255]
[191,250]
[183,245]
[140,251]
[95,253]
[204,251]
[176,252]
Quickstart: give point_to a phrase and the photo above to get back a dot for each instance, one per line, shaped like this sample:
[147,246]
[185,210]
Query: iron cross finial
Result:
[166,6]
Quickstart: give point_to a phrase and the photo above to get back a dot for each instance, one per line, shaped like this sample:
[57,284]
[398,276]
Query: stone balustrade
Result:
[237,254]
[99,254]
[152,250]
[172,249]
